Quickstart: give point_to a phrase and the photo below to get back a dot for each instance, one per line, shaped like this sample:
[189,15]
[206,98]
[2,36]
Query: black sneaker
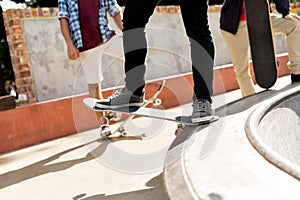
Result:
[295,78]
[202,111]
[121,98]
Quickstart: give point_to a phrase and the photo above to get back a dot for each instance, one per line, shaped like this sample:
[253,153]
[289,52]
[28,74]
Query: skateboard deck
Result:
[261,42]
[148,112]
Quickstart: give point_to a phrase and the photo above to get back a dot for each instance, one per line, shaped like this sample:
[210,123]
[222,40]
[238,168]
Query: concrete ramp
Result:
[274,130]
[252,152]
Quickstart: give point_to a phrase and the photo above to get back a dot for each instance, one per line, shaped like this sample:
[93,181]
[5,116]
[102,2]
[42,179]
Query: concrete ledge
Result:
[274,131]
[217,161]
[39,122]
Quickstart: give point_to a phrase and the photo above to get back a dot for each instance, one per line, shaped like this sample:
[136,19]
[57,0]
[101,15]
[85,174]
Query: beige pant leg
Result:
[238,46]
[292,31]
[91,61]
[91,64]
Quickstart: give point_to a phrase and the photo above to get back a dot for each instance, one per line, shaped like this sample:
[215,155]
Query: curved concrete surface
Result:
[217,161]
[274,130]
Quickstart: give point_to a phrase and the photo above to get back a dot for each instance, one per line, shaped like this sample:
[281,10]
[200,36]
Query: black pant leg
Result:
[135,18]
[195,19]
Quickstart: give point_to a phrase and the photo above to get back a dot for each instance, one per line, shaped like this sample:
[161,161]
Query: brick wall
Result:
[17,46]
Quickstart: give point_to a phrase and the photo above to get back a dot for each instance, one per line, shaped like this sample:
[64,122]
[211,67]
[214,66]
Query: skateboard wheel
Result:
[121,129]
[178,131]
[157,102]
[124,133]
[104,121]
[103,136]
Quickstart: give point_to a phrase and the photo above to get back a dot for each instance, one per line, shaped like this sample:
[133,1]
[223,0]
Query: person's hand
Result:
[73,52]
[292,17]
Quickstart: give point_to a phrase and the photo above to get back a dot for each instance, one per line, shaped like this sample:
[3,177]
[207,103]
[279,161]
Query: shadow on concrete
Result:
[155,191]
[42,167]
[231,108]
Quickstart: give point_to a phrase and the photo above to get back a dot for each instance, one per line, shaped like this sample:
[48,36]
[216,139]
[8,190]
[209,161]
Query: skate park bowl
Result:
[274,131]
[251,152]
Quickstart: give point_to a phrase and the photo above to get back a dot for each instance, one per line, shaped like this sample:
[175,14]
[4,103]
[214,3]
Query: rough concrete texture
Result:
[217,161]
[274,130]
[80,167]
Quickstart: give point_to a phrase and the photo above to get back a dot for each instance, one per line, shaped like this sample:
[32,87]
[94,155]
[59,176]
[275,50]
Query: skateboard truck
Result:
[154,100]
[118,135]
[179,129]
[115,116]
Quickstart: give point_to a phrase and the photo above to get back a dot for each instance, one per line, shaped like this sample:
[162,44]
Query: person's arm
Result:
[73,52]
[283,7]
[115,12]
[292,16]
[118,21]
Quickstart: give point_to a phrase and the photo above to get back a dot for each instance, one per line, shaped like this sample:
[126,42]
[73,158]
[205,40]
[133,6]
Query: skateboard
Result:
[154,100]
[112,115]
[261,42]
[181,121]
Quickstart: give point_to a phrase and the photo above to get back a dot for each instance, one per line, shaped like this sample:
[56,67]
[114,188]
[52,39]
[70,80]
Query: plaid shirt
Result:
[69,9]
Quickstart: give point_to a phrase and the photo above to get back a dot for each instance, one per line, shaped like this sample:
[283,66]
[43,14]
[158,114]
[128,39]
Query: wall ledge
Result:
[43,121]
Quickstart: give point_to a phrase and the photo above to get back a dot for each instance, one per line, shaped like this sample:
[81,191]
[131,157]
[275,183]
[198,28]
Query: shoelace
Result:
[200,105]
[117,93]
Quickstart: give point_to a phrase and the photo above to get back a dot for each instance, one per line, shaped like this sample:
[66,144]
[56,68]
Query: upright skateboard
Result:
[261,42]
